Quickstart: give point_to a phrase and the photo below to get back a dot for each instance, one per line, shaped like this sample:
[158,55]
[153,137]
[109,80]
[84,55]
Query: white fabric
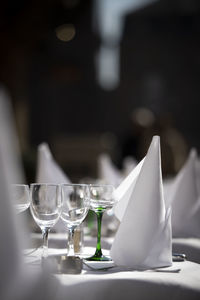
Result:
[189,246]
[107,172]
[124,191]
[9,141]
[48,171]
[180,282]
[17,281]
[120,283]
[185,200]
[143,239]
[9,249]
[128,285]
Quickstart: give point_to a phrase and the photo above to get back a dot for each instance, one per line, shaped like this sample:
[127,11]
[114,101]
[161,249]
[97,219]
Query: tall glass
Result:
[75,208]
[46,205]
[101,199]
[20,196]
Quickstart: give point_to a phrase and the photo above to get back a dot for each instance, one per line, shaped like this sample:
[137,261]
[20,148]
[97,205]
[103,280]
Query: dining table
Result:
[105,280]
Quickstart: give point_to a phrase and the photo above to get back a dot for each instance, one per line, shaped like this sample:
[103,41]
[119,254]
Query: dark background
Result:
[57,98]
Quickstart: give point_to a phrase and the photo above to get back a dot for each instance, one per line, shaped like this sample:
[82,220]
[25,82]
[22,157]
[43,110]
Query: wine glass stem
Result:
[71,242]
[98,247]
[45,233]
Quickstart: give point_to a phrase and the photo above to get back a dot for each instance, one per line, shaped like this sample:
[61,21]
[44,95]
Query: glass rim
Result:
[45,184]
[74,184]
[19,184]
[100,185]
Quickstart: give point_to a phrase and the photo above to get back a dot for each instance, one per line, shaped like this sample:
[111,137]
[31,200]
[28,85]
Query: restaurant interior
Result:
[104,96]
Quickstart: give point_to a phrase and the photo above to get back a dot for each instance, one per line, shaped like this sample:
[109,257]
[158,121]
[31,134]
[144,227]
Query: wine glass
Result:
[20,197]
[101,199]
[46,205]
[75,208]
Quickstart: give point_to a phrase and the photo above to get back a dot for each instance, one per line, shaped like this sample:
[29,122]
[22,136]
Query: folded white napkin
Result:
[17,280]
[107,172]
[48,171]
[185,202]
[143,239]
[123,193]
[9,141]
[9,173]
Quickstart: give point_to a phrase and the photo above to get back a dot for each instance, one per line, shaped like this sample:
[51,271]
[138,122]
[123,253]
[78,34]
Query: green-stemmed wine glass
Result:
[101,199]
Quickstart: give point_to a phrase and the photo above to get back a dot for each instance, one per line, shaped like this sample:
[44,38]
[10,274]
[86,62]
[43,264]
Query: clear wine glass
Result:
[46,206]
[20,197]
[101,199]
[75,208]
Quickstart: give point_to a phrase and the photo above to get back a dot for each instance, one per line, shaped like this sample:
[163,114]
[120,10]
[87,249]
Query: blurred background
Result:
[102,76]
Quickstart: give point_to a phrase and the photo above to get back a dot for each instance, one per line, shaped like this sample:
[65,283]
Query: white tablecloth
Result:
[181,281]
[189,246]
[133,284]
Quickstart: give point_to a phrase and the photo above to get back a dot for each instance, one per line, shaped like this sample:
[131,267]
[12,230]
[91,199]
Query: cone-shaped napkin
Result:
[10,172]
[9,141]
[124,191]
[48,171]
[185,200]
[17,280]
[107,171]
[143,239]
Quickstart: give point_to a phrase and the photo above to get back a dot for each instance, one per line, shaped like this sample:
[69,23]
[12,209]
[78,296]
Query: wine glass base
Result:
[98,258]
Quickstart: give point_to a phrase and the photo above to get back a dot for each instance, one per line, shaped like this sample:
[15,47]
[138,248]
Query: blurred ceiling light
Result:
[143,116]
[65,32]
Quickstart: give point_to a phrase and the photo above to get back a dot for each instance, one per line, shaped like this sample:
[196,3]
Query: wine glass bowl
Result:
[75,208]
[46,206]
[20,196]
[101,199]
